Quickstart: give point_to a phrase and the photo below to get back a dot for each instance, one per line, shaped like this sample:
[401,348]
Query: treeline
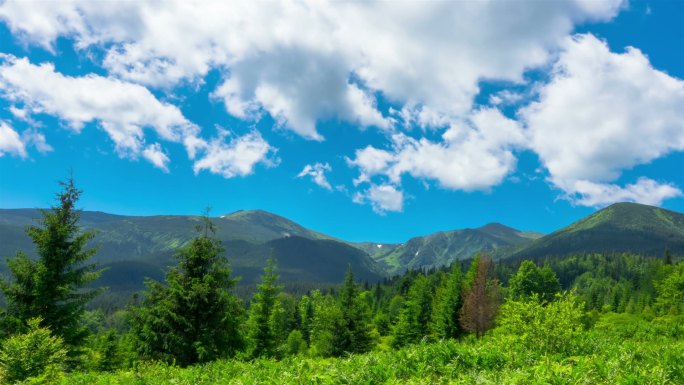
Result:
[194,316]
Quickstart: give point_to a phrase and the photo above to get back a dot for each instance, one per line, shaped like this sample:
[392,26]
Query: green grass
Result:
[631,351]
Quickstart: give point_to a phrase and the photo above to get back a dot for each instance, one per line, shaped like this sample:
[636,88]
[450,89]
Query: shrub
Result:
[545,328]
[33,354]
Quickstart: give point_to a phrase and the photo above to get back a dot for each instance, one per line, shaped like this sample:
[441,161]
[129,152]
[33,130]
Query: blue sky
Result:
[366,121]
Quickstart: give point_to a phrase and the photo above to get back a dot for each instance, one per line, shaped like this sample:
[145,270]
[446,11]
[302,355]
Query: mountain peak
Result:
[251,214]
[499,228]
[620,227]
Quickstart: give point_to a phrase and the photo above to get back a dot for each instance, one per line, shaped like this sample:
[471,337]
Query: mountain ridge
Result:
[620,227]
[148,243]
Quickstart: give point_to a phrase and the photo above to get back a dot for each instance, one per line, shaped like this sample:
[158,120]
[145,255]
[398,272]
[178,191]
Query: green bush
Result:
[35,354]
[545,328]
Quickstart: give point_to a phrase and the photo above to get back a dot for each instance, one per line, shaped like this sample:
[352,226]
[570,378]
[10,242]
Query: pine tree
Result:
[353,334]
[413,324]
[260,334]
[194,317]
[53,287]
[447,306]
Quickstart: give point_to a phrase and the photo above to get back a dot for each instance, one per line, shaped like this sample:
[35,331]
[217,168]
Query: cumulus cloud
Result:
[474,154]
[297,99]
[645,190]
[316,60]
[10,141]
[601,113]
[317,173]
[383,198]
[123,110]
[238,157]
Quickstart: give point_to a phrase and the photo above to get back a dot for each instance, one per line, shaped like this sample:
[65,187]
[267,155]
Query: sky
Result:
[364,120]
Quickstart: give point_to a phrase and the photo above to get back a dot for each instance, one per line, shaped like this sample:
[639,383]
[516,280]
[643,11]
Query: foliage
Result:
[447,306]
[413,323]
[534,280]
[36,353]
[262,326]
[326,312]
[607,359]
[550,328]
[54,287]
[296,343]
[353,328]
[194,318]
[670,298]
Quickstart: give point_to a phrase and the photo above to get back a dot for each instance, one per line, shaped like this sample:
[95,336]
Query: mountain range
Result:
[134,247]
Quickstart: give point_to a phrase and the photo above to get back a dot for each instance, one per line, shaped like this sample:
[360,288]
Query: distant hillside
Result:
[132,248]
[441,249]
[622,227]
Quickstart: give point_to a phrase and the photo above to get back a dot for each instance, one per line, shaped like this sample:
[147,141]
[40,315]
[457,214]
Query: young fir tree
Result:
[53,287]
[260,333]
[324,324]
[414,318]
[447,305]
[194,317]
[306,313]
[353,332]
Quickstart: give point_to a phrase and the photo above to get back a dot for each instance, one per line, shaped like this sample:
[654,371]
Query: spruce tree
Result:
[53,286]
[260,334]
[447,305]
[306,317]
[353,334]
[413,323]
[194,317]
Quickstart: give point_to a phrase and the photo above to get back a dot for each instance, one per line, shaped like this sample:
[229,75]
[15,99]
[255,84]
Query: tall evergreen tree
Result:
[354,328]
[194,317]
[306,313]
[413,324]
[324,324]
[53,287]
[447,305]
[260,333]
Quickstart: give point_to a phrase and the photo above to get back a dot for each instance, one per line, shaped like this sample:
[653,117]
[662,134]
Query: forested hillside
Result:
[622,227]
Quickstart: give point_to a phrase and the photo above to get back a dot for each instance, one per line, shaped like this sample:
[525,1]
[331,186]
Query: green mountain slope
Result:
[441,249]
[132,248]
[622,227]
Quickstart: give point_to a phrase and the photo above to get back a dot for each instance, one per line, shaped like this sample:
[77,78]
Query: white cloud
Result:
[10,141]
[236,158]
[317,173]
[36,139]
[276,83]
[473,155]
[383,198]
[316,60]
[645,190]
[602,113]
[123,110]
[156,156]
